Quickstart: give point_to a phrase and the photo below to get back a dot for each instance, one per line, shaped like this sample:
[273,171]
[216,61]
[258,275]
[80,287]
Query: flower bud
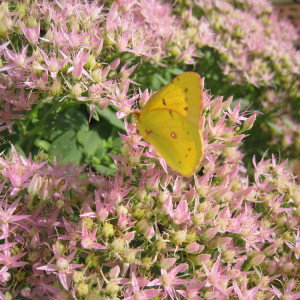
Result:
[271,267]
[192,236]
[217,108]
[90,62]
[202,258]
[210,233]
[161,245]
[82,289]
[288,268]
[112,288]
[108,230]
[56,88]
[227,103]
[179,237]
[152,182]
[192,248]
[162,197]
[228,255]
[46,189]
[142,225]
[271,250]
[149,233]
[118,245]
[114,272]
[167,263]
[25,292]
[198,219]
[62,264]
[60,247]
[78,276]
[141,193]
[76,90]
[257,260]
[247,125]
[97,75]
[212,212]
[35,185]
[139,213]
[129,257]
[147,263]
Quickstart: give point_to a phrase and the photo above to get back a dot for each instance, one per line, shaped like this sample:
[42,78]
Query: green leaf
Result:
[81,136]
[111,117]
[105,170]
[65,148]
[92,143]
[117,143]
[274,127]
[161,80]
[287,122]
[176,71]
[42,144]
[101,150]
[70,118]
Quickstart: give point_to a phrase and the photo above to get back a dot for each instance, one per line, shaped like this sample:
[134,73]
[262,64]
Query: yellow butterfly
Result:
[170,122]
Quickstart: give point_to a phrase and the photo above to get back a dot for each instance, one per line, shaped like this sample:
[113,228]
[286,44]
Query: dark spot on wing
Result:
[164,102]
[186,90]
[188,133]
[180,162]
[189,149]
[186,108]
[171,114]
[173,135]
[186,156]
[148,131]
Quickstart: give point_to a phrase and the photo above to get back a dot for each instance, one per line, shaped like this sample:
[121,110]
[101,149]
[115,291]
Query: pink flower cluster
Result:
[73,50]
[78,50]
[71,233]
[258,48]
[68,232]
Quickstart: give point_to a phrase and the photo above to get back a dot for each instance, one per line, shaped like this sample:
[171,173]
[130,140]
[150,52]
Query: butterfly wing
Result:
[182,95]
[174,137]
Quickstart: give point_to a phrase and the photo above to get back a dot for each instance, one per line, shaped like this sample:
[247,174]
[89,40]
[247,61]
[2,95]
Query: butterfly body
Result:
[170,122]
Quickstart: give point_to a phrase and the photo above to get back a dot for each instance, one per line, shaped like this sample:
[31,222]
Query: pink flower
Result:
[245,293]
[11,261]
[170,280]
[181,214]
[215,276]
[287,293]
[19,170]
[19,60]
[32,33]
[192,290]
[7,217]
[63,268]
[88,240]
[137,293]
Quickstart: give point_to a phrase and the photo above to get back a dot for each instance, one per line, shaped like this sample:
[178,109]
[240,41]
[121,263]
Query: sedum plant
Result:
[88,209]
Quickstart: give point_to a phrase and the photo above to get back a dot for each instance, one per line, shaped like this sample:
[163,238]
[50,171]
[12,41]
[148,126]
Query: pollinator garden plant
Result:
[89,210]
